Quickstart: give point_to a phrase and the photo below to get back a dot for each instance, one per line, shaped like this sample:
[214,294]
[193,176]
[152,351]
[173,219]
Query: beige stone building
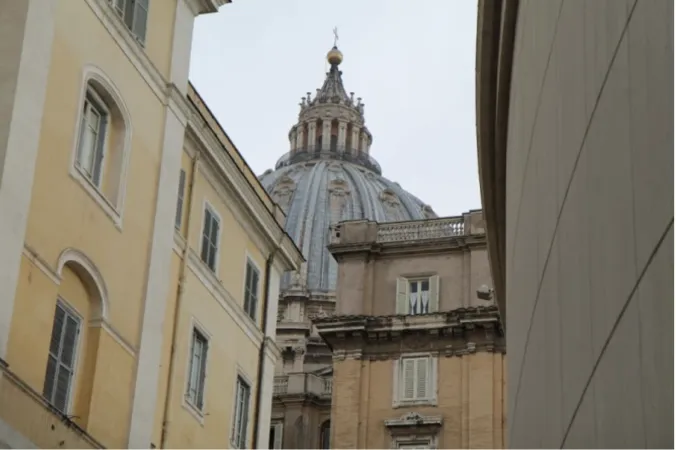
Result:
[418,356]
[575,134]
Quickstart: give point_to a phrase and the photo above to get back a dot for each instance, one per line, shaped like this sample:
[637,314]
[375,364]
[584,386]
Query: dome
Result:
[329,176]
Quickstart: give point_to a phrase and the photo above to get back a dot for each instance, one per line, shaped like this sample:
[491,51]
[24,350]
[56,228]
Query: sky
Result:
[411,62]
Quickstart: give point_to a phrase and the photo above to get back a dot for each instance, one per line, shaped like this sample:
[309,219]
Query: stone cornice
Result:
[407,248]
[413,420]
[456,333]
[198,7]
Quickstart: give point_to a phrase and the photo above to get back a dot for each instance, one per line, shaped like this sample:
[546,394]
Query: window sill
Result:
[420,402]
[96,194]
[194,411]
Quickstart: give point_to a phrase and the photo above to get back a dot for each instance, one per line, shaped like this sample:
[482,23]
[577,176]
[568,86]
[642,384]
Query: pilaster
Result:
[300,135]
[312,135]
[354,146]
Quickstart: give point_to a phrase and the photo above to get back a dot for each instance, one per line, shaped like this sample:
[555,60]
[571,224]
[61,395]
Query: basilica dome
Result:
[328,176]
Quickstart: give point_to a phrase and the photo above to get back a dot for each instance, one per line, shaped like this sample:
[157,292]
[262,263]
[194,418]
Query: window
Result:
[134,14]
[251,289]
[61,359]
[92,141]
[179,200]
[198,365]
[210,234]
[241,414]
[325,435]
[276,435]
[418,295]
[415,380]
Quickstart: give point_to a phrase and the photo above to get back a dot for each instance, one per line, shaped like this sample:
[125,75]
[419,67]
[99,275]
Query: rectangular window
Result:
[276,434]
[415,380]
[61,359]
[241,414]
[210,234]
[417,295]
[251,289]
[134,14]
[92,140]
[198,365]
[179,200]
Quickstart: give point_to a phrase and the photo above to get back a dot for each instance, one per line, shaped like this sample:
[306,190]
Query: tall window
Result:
[198,365]
[210,234]
[418,295]
[91,145]
[179,200]
[276,435]
[134,14]
[251,289]
[61,359]
[325,435]
[241,414]
[415,380]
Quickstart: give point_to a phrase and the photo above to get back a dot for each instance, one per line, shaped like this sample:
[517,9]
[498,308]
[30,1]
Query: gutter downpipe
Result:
[261,351]
[177,306]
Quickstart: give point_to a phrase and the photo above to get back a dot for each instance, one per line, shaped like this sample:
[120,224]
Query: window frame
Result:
[434,289]
[72,312]
[249,262]
[127,12]
[240,380]
[215,215]
[95,101]
[398,398]
[278,427]
[197,329]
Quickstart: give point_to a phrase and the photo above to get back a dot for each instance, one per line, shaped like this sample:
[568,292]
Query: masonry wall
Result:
[590,225]
[470,398]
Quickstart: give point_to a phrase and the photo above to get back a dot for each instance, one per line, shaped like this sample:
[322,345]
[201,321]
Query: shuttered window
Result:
[210,236]
[251,289]
[417,295]
[134,14]
[241,414]
[61,359]
[276,435]
[179,200]
[197,374]
[416,379]
[92,139]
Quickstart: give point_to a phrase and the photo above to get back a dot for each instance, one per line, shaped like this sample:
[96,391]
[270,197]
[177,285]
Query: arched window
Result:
[102,142]
[325,435]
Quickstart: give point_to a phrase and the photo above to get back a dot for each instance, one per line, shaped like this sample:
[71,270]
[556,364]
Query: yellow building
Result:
[140,257]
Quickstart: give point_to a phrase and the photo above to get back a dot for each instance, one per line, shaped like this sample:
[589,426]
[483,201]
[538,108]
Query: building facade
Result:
[140,256]
[328,175]
[575,135]
[418,357]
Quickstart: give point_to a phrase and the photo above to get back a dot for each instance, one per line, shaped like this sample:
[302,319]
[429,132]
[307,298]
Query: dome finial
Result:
[334,56]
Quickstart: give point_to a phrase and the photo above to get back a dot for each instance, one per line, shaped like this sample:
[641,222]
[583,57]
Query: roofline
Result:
[494,54]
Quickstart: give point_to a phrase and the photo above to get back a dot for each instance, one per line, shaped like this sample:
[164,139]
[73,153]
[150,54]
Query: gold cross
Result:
[335,36]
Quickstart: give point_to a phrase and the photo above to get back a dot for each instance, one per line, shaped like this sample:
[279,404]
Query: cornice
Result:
[407,248]
[198,7]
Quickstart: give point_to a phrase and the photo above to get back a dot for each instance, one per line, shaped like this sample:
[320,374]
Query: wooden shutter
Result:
[408,379]
[100,149]
[140,18]
[202,372]
[402,296]
[421,378]
[204,254]
[279,430]
[179,200]
[434,294]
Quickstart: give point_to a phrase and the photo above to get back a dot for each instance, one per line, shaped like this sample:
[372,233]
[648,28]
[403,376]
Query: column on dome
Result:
[342,135]
[311,136]
[363,141]
[355,140]
[326,134]
[292,139]
[300,136]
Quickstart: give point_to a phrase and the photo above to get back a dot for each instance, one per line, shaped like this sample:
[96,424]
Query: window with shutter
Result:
[276,435]
[240,414]
[179,200]
[197,369]
[251,283]
[210,238]
[134,14]
[418,295]
[92,138]
[61,360]
[415,380]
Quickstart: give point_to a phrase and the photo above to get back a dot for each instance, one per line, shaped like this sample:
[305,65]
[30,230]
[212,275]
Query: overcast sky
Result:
[411,62]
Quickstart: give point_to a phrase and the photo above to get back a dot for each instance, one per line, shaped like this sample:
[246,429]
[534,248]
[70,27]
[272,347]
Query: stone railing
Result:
[415,230]
[302,383]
